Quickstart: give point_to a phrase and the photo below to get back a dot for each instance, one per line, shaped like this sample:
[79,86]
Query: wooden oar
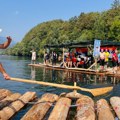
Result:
[95,92]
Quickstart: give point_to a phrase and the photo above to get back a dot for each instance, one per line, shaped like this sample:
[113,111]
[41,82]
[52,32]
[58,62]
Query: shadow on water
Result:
[18,67]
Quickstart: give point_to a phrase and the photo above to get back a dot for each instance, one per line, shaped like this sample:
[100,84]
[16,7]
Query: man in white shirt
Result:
[33,56]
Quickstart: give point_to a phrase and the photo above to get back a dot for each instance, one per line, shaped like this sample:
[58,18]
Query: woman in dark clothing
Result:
[54,58]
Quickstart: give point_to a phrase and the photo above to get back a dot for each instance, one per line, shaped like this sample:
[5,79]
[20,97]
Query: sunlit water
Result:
[18,67]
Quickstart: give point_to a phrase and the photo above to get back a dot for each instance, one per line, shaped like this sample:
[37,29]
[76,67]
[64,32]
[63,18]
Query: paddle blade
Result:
[100,91]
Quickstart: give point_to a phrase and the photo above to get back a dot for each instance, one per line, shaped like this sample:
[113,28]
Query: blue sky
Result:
[17,17]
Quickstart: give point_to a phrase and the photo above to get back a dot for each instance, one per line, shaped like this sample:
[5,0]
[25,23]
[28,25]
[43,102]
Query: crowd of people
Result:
[50,58]
[71,59]
[106,59]
[109,58]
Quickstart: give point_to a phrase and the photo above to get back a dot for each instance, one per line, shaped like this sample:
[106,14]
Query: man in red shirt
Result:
[115,61]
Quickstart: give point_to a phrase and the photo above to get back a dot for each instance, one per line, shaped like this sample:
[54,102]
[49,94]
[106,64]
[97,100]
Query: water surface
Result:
[18,67]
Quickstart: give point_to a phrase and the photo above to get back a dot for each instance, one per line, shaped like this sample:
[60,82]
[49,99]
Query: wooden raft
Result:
[85,108]
[4,93]
[38,111]
[53,107]
[78,70]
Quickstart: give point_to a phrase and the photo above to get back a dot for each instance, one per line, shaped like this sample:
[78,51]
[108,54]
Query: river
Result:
[18,67]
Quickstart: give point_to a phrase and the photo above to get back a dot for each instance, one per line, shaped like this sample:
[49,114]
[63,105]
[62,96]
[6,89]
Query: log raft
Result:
[54,107]
[4,93]
[104,111]
[16,105]
[9,99]
[115,102]
[85,109]
[61,109]
[38,111]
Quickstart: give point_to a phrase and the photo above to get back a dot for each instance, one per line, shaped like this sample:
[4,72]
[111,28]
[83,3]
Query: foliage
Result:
[116,4]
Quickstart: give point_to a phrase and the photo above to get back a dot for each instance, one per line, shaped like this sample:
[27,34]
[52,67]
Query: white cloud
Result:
[16,12]
[0,30]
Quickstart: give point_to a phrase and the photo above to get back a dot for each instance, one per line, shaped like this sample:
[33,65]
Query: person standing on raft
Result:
[33,58]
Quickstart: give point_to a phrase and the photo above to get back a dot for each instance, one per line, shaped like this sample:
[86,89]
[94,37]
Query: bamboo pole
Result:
[103,110]
[63,54]
[92,65]
[80,70]
[115,102]
[38,111]
[9,99]
[94,92]
[7,112]
[61,109]
[4,93]
[44,56]
[85,109]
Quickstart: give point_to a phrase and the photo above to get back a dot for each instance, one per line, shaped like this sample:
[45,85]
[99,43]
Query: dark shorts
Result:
[102,62]
[114,63]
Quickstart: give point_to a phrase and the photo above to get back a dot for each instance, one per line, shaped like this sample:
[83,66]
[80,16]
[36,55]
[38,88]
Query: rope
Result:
[71,106]
[84,107]
[51,104]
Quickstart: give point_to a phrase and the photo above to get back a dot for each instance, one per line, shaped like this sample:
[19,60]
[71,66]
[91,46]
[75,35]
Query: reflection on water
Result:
[18,67]
[68,77]
[33,73]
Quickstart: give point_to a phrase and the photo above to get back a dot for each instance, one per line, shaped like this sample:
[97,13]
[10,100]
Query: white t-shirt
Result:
[33,55]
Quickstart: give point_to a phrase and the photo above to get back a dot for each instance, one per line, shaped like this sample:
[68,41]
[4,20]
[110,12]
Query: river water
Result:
[18,67]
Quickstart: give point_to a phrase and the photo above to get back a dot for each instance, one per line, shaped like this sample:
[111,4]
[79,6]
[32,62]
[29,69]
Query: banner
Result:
[96,51]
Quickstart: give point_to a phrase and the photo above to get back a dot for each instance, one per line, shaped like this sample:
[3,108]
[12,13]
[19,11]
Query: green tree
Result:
[115,29]
[116,4]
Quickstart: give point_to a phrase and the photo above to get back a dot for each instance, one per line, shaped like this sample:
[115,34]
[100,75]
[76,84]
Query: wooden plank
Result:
[85,109]
[4,93]
[38,111]
[9,99]
[7,112]
[103,110]
[115,102]
[61,109]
